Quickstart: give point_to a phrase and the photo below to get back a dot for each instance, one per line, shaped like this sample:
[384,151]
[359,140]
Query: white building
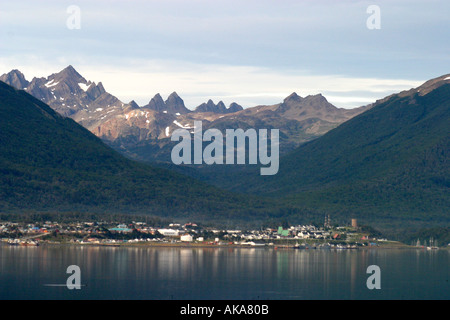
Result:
[169,232]
[186,238]
[303,235]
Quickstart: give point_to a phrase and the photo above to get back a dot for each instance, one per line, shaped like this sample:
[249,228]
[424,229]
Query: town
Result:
[190,234]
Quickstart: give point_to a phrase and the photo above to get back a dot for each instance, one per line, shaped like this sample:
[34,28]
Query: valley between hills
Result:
[67,145]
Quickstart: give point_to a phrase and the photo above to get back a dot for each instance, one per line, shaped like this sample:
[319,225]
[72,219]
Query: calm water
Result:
[221,273]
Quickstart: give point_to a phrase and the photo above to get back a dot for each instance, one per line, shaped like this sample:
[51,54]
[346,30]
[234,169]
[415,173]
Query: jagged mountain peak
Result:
[174,98]
[68,73]
[297,101]
[156,103]
[133,104]
[16,73]
[318,96]
[100,87]
[40,145]
[234,107]
[208,106]
[173,95]
[65,82]
[69,93]
[293,97]
[318,99]
[311,107]
[220,107]
[158,96]
[89,104]
[174,104]
[15,78]
[69,68]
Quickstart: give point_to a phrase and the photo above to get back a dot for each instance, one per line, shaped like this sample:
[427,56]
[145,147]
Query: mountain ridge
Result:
[49,162]
[387,165]
[390,162]
[134,130]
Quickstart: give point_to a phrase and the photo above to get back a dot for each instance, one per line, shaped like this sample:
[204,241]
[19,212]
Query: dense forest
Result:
[388,167]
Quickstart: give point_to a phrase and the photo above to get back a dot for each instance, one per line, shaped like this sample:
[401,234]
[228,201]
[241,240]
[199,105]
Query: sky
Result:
[249,52]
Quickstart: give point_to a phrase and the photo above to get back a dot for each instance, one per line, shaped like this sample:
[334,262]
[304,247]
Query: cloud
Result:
[249,86]
[251,52]
[246,85]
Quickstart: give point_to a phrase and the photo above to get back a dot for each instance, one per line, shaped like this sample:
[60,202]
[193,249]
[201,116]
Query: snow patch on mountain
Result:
[83,86]
[181,126]
[50,84]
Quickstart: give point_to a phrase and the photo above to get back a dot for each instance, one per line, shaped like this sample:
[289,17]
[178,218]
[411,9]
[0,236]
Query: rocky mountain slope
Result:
[50,163]
[390,163]
[143,132]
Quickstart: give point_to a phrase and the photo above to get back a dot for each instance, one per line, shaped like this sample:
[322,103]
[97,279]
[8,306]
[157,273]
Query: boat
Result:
[432,245]
[13,242]
[325,246]
[29,243]
[348,246]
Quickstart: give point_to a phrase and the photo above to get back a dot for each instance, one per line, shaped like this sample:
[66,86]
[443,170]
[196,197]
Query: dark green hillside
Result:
[48,162]
[387,166]
[390,162]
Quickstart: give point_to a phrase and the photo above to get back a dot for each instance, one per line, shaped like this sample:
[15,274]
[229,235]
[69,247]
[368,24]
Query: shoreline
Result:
[391,245]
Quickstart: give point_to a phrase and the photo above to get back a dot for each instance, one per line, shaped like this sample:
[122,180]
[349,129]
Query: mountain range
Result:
[143,132]
[386,164]
[389,163]
[48,162]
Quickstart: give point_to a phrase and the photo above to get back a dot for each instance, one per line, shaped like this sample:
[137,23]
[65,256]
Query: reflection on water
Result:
[221,273]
